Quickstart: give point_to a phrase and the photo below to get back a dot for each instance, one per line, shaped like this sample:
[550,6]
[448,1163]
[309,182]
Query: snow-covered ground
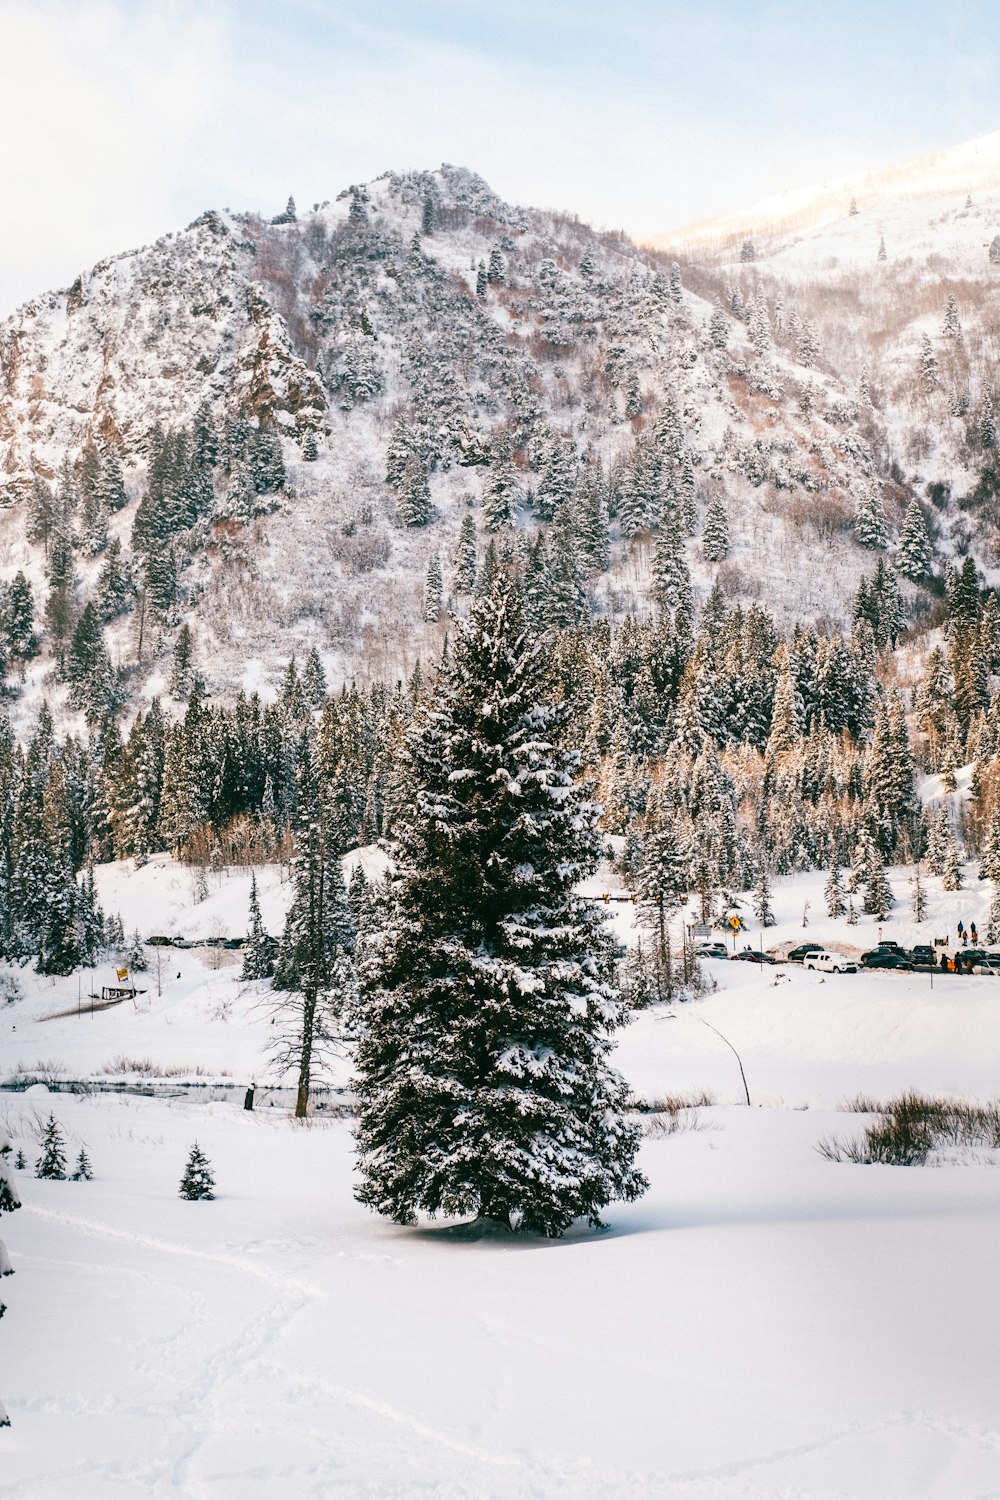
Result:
[764,1323]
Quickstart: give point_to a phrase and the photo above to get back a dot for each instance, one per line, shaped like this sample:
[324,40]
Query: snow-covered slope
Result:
[371,321]
[906,192]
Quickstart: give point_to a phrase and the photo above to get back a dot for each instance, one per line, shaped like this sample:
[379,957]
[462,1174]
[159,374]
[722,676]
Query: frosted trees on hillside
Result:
[488,1002]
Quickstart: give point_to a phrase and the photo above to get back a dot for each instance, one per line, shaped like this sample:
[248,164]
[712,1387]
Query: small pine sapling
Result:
[852,913]
[20,1161]
[84,1169]
[198,1180]
[52,1162]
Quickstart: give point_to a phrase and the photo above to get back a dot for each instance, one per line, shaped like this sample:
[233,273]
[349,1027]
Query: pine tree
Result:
[919,895]
[496,272]
[951,873]
[83,1172]
[433,590]
[258,961]
[993,921]
[833,892]
[465,560]
[914,544]
[952,328]
[869,518]
[482,281]
[878,892]
[928,366]
[313,966]
[762,897]
[414,493]
[488,999]
[661,884]
[987,422]
[852,914]
[715,538]
[198,1180]
[718,327]
[881,250]
[182,667]
[19,618]
[52,1162]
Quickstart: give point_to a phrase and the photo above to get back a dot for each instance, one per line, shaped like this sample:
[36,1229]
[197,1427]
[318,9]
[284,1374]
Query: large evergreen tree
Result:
[488,1002]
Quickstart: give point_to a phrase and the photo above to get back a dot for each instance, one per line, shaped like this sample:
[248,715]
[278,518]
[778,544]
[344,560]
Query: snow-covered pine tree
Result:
[951,873]
[484,972]
[870,528]
[878,891]
[414,492]
[83,1171]
[852,912]
[833,892]
[987,422]
[433,590]
[258,961]
[762,896]
[715,538]
[198,1180]
[914,544]
[919,894]
[881,249]
[928,366]
[52,1162]
[952,327]
[718,327]
[993,920]
[465,556]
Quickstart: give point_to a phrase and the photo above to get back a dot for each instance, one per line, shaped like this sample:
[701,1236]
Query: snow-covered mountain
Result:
[500,347]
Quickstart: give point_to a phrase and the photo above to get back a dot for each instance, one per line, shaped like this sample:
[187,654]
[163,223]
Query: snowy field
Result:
[764,1324]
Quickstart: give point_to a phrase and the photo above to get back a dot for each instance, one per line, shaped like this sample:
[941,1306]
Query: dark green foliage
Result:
[198,1181]
[485,973]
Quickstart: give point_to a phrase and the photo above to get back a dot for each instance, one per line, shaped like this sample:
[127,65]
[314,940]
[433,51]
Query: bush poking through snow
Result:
[909,1128]
[198,1180]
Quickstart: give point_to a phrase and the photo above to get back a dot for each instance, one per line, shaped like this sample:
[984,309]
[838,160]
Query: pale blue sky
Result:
[127,117]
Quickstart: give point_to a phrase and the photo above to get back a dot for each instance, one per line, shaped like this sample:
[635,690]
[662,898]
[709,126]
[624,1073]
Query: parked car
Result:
[987,965]
[830,963]
[798,954]
[891,944]
[752,956]
[885,958]
[923,953]
[711,950]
